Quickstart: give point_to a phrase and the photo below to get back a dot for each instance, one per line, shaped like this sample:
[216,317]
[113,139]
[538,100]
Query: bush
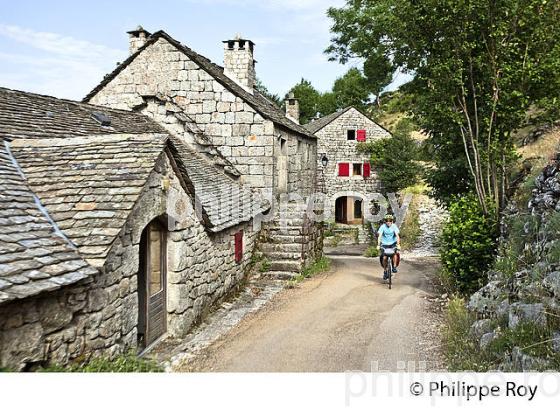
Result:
[321,264]
[371,252]
[468,244]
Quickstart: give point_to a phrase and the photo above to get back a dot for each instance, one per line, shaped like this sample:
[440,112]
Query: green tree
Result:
[351,89]
[264,91]
[378,72]
[327,104]
[395,158]
[479,65]
[308,97]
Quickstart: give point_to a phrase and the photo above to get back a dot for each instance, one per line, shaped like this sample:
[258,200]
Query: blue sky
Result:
[63,48]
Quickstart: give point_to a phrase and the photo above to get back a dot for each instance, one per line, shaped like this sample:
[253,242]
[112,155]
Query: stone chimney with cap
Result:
[239,64]
[137,38]
[292,108]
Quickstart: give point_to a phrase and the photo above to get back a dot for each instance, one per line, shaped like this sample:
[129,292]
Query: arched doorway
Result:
[152,284]
[348,210]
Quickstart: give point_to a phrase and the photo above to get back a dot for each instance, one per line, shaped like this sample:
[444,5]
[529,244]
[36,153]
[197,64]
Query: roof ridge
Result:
[275,115]
[79,104]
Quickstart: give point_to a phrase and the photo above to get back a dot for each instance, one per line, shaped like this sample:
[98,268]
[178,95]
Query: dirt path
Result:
[346,319]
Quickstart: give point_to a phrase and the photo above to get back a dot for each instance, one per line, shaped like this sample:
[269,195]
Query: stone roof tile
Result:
[30,249]
[28,115]
[97,205]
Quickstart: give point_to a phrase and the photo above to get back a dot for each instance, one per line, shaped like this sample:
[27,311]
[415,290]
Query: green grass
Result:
[371,252]
[264,265]
[463,353]
[322,264]
[126,363]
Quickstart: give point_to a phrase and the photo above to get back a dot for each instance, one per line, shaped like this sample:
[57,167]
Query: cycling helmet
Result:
[389,217]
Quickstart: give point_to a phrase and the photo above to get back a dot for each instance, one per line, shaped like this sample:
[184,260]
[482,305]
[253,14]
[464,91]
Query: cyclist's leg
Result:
[394,260]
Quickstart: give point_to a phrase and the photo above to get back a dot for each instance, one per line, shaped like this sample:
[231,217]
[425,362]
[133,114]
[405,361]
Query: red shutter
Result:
[367,169]
[238,246]
[361,135]
[343,169]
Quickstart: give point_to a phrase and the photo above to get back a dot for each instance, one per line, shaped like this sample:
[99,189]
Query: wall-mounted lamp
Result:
[324,160]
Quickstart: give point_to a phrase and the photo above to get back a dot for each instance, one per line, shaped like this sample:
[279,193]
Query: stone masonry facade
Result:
[333,143]
[234,127]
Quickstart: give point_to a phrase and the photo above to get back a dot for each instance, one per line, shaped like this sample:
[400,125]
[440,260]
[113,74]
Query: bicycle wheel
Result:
[390,271]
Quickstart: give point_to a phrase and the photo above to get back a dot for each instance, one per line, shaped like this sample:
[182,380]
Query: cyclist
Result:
[388,237]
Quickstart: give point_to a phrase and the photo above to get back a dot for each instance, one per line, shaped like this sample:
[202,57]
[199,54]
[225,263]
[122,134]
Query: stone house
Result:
[219,112]
[348,176]
[112,231]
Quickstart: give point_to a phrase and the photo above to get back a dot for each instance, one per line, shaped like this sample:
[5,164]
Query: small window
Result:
[357,169]
[283,147]
[350,135]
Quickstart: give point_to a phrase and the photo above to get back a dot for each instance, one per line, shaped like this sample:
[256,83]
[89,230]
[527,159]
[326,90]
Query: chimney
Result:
[137,38]
[292,108]
[239,64]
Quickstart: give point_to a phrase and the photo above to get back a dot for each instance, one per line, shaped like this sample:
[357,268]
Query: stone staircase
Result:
[288,243]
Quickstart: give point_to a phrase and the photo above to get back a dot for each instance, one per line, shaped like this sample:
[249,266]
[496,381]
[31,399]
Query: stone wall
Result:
[100,316]
[241,134]
[333,142]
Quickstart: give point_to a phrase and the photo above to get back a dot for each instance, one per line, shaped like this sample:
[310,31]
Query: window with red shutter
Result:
[367,169]
[238,240]
[343,169]
[361,135]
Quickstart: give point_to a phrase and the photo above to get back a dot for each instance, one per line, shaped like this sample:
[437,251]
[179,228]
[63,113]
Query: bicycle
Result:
[388,271]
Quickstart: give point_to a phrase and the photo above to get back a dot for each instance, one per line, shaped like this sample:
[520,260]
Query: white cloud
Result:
[54,64]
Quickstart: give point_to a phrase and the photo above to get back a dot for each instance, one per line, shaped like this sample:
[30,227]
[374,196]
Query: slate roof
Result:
[27,115]
[89,184]
[65,196]
[33,258]
[256,100]
[224,202]
[322,122]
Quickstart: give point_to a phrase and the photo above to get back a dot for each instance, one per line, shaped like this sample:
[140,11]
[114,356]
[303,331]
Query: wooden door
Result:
[152,285]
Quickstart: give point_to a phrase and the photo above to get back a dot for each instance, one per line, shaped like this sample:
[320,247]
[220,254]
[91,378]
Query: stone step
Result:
[277,256]
[286,239]
[281,247]
[279,274]
[286,265]
[284,231]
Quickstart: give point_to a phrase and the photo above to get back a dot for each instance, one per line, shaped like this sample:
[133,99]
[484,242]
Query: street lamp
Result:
[324,160]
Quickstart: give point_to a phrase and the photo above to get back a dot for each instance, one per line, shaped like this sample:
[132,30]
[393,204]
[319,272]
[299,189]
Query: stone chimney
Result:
[239,64]
[292,108]
[137,38]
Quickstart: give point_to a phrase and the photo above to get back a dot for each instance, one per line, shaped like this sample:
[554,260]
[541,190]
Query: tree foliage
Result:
[395,158]
[264,91]
[378,72]
[351,90]
[308,97]
[468,244]
[479,65]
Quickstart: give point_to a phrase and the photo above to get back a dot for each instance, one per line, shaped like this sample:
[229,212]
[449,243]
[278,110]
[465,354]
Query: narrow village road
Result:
[346,319]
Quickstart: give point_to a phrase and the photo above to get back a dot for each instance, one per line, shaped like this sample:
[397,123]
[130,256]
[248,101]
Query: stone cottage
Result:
[220,113]
[112,231]
[345,175]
